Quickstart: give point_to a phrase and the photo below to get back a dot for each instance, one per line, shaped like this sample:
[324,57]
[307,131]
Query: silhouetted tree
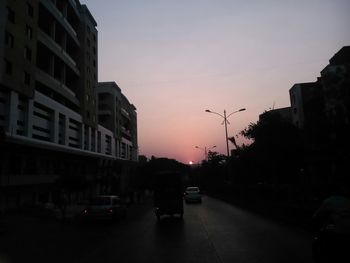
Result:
[216,159]
[146,170]
[213,171]
[276,148]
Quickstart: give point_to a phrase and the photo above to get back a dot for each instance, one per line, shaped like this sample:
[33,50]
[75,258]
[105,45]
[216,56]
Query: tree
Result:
[276,147]
[147,170]
[216,159]
[213,171]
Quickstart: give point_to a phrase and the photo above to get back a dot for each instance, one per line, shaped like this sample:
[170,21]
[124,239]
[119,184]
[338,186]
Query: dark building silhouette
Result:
[335,79]
[285,113]
[321,110]
[307,105]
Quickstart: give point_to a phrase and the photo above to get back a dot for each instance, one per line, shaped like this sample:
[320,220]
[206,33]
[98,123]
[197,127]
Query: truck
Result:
[168,194]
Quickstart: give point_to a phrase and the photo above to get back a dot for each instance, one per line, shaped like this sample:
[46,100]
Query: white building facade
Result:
[50,136]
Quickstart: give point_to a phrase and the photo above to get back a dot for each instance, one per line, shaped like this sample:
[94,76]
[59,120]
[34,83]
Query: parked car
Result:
[104,207]
[192,194]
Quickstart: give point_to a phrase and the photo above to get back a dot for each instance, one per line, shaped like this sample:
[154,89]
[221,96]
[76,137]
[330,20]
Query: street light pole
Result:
[205,151]
[225,122]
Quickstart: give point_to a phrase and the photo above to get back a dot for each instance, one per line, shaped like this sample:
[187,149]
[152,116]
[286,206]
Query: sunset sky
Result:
[174,59]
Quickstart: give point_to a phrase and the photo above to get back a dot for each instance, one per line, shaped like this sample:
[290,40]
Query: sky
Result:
[173,59]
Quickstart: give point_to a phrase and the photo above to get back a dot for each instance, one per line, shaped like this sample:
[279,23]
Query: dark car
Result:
[105,207]
[192,194]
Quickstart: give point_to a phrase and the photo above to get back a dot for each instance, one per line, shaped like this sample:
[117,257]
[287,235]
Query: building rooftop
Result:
[341,57]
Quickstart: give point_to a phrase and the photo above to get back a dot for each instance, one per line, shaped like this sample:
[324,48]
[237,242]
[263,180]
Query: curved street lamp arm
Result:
[232,113]
[215,113]
[243,109]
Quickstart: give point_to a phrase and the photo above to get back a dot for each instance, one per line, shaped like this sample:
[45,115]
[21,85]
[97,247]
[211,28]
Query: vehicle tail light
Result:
[110,210]
[85,211]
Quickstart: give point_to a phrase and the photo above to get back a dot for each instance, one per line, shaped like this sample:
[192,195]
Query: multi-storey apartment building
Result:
[117,114]
[48,107]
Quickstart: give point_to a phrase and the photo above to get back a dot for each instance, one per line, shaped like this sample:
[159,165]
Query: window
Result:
[9,40]
[28,53]
[88,42]
[29,32]
[8,67]
[94,63]
[94,50]
[26,78]
[10,15]
[88,29]
[30,10]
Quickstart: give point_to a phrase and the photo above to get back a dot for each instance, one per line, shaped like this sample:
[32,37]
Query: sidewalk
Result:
[283,212]
[17,219]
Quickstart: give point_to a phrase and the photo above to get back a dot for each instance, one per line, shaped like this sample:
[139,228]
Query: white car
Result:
[192,194]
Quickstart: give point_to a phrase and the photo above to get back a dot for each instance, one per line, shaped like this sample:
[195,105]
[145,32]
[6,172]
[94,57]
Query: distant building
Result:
[306,103]
[321,110]
[117,114]
[328,97]
[335,79]
[49,131]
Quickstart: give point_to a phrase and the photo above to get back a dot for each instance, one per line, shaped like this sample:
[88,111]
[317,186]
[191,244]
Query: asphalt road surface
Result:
[213,231]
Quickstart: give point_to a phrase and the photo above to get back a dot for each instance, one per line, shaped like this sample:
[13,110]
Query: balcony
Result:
[105,112]
[57,86]
[74,7]
[58,51]
[126,132]
[104,109]
[27,179]
[125,113]
[61,19]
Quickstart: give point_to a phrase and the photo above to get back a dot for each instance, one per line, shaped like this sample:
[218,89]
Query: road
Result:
[213,231]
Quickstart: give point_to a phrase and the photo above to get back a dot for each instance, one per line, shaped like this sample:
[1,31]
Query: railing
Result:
[58,50]
[56,86]
[61,19]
